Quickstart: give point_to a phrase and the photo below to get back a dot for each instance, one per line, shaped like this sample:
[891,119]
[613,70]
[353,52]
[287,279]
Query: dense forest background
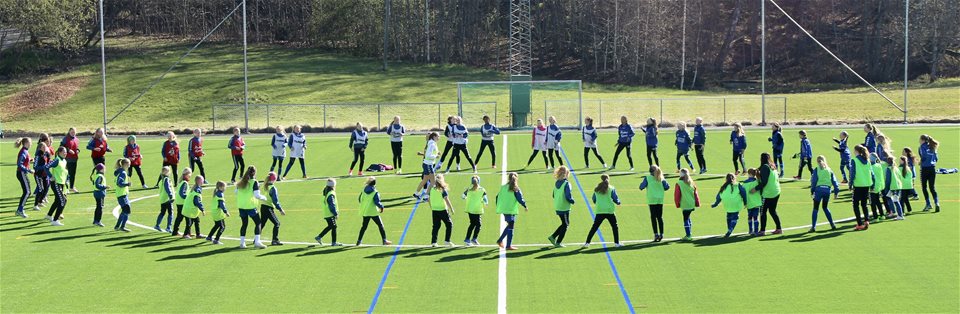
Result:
[632,42]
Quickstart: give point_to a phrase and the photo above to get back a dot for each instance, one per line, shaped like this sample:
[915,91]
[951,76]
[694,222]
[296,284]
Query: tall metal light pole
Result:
[386,30]
[763,62]
[906,54]
[103,68]
[246,99]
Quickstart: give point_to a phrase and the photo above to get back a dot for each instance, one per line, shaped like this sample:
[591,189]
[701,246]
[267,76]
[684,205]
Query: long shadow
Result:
[561,253]
[826,234]
[404,203]
[129,236]
[52,231]
[431,251]
[391,252]
[177,248]
[16,223]
[322,251]
[525,252]
[286,251]
[152,243]
[199,254]
[400,198]
[460,257]
[70,237]
[783,237]
[721,240]
[638,246]
[36,224]
[139,241]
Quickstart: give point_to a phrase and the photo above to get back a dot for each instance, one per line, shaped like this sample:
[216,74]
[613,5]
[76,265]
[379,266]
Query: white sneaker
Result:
[586,245]
[467,243]
[631,169]
[49,218]
[56,223]
[450,244]
[399,171]
[433,244]
[37,207]
[605,165]
[618,245]
[474,170]
[475,242]
[458,167]
[145,186]
[243,244]
[259,245]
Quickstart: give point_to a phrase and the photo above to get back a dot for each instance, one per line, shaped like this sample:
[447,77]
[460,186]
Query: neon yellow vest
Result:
[191,210]
[59,173]
[367,207]
[245,198]
[506,202]
[754,200]
[654,191]
[165,182]
[475,201]
[687,200]
[560,202]
[896,180]
[878,177]
[217,214]
[176,195]
[436,200]
[327,213]
[270,200]
[605,204]
[731,199]
[772,188]
[864,174]
[122,191]
[907,180]
[824,177]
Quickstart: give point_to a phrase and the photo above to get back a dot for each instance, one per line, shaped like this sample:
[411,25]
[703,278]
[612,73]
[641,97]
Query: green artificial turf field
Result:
[899,266]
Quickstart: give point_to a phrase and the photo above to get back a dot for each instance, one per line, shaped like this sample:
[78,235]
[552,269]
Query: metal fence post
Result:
[438,116]
[213,117]
[784,110]
[496,112]
[324,118]
[600,117]
[378,117]
[661,111]
[724,110]
[268,116]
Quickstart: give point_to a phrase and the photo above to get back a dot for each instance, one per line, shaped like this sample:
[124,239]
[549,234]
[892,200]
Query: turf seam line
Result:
[606,250]
[502,260]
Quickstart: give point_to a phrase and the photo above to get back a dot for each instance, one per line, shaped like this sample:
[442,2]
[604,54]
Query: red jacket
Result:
[73,146]
[133,153]
[98,143]
[236,146]
[677,194]
[196,147]
[171,152]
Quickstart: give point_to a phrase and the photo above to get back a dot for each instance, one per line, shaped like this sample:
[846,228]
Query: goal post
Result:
[525,99]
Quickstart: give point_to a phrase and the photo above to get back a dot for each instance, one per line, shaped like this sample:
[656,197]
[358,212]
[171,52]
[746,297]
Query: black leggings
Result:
[457,149]
[446,149]
[551,152]
[685,155]
[192,222]
[860,196]
[303,166]
[59,201]
[493,151]
[534,155]
[218,227]
[738,156]
[267,214]
[237,166]
[620,147]
[905,201]
[363,228]
[331,228]
[928,177]
[25,190]
[139,173]
[656,218]
[562,228]
[877,204]
[276,160]
[397,149]
[196,162]
[473,230]
[441,216]
[180,218]
[769,206]
[173,169]
[652,157]
[43,187]
[71,172]
[359,153]
[804,161]
[244,218]
[165,209]
[98,211]
[701,162]
[599,220]
[586,155]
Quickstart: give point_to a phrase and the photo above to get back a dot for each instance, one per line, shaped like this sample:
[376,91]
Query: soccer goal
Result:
[520,102]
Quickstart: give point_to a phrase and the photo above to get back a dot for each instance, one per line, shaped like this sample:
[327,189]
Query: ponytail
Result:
[685,177]
[861,151]
[604,185]
[512,181]
[822,162]
[729,179]
[904,166]
[932,143]
[21,142]
[247,175]
[656,173]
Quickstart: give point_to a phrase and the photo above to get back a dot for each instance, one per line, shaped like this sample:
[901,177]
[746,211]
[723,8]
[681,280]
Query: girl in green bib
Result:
[122,191]
[441,210]
[99,192]
[219,215]
[687,199]
[476,197]
[606,201]
[656,185]
[58,175]
[876,197]
[906,172]
[769,188]
[734,198]
[891,189]
[330,214]
[509,200]
[267,208]
[821,181]
[562,201]
[183,188]
[166,199]
[248,197]
[754,201]
[861,179]
[193,208]
[370,209]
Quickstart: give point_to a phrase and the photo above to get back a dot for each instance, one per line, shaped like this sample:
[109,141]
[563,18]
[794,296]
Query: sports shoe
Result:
[494,167]
[50,219]
[458,167]
[687,238]
[559,245]
[702,171]
[21,214]
[866,225]
[859,228]
[812,230]
[98,224]
[205,182]
[168,230]
[844,181]
[778,231]
[217,242]
[474,170]
[124,229]
[399,171]
[938,209]
[317,238]
[187,236]
[450,244]
[726,235]
[360,173]
[199,236]
[209,239]
[553,240]
[433,244]
[259,245]
[304,177]
[145,186]
[276,242]
[617,245]
[475,242]
[336,244]
[350,173]
[387,242]
[56,223]
[631,168]
[585,245]
[512,248]
[604,165]
[157,227]
[243,245]
[74,190]
[176,234]
[796,178]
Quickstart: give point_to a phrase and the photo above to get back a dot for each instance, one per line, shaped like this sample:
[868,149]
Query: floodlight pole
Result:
[906,55]
[103,68]
[763,62]
[246,99]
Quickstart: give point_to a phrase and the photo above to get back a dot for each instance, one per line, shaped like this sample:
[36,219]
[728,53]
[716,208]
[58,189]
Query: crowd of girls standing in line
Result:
[873,173]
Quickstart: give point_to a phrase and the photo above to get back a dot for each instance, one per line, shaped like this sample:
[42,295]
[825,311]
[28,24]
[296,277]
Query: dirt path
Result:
[40,97]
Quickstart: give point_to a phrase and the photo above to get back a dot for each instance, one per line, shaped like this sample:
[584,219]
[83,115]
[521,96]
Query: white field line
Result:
[502,261]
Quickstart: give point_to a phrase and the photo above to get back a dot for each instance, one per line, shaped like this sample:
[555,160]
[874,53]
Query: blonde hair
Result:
[440,184]
[737,127]
[42,147]
[185,174]
[604,186]
[512,179]
[197,181]
[122,163]
[562,172]
[22,142]
[171,136]
[776,125]
[822,162]
[686,178]
[165,171]
[931,143]
[884,141]
[682,126]
[474,183]
[371,181]
[657,173]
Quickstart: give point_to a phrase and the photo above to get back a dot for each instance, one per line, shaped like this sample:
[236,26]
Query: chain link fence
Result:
[714,110]
[415,116]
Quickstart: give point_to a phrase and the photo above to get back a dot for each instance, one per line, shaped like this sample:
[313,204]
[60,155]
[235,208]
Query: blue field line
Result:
[606,250]
[393,258]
